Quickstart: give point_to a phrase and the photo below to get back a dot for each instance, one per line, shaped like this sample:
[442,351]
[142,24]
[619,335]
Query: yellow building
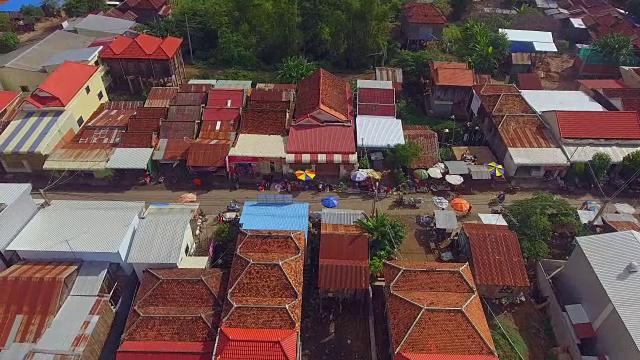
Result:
[51,115]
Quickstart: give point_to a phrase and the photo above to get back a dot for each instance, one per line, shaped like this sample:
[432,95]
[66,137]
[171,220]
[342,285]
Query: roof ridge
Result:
[406,336]
[473,324]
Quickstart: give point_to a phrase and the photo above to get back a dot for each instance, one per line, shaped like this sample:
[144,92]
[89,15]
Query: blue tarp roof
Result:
[272,216]
[15,5]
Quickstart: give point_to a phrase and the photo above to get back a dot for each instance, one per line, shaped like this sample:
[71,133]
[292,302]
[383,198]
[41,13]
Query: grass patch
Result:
[257,76]
[504,348]
[411,114]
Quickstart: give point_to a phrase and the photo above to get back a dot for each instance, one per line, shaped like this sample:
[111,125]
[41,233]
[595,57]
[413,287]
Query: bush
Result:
[363,163]
[9,41]
[226,233]
[562,45]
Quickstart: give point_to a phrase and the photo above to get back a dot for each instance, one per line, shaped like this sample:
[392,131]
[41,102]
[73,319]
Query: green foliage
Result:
[503,330]
[404,154]
[76,8]
[400,177]
[386,234]
[535,219]
[363,162]
[295,68]
[9,41]
[481,46]
[451,34]
[562,45]
[633,7]
[226,232]
[600,163]
[32,11]
[493,21]
[445,154]
[6,24]
[444,6]
[615,47]
[631,162]
[163,27]
[415,64]
[460,6]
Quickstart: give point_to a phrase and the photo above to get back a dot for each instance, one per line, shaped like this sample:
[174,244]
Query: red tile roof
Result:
[257,344]
[164,350]
[263,122]
[423,13]
[115,13]
[524,131]
[376,96]
[598,124]
[494,89]
[377,110]
[428,141]
[177,305]
[142,47]
[453,77]
[225,98]
[177,130]
[529,81]
[323,91]
[621,93]
[131,139]
[344,259]
[602,84]
[221,114]
[512,104]
[62,84]
[496,254]
[208,153]
[433,308]
[321,139]
[34,293]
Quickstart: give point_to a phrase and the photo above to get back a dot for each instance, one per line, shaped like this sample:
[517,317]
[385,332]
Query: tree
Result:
[460,6]
[9,41]
[162,27]
[226,232]
[404,154]
[631,163]
[76,8]
[6,24]
[481,47]
[33,11]
[386,235]
[295,68]
[415,64]
[50,7]
[536,219]
[600,163]
[615,47]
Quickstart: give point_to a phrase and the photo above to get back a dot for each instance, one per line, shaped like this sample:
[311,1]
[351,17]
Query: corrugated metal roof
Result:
[78,159]
[10,192]
[123,105]
[90,278]
[259,145]
[389,74]
[130,158]
[203,81]
[457,167]
[525,131]
[105,24]
[378,131]
[83,54]
[547,100]
[610,255]
[171,150]
[344,260]
[341,216]
[274,216]
[189,113]
[233,84]
[376,96]
[160,96]
[335,139]
[78,226]
[116,118]
[598,124]
[208,153]
[446,219]
[30,132]
[538,156]
[160,235]
[177,130]
[585,153]
[189,98]
[374,84]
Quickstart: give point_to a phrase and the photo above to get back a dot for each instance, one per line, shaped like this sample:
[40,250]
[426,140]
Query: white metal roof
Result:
[259,145]
[610,255]
[493,219]
[194,262]
[10,192]
[129,158]
[549,100]
[588,215]
[577,23]
[78,226]
[85,54]
[457,167]
[202,82]
[160,234]
[378,131]
[585,153]
[233,84]
[105,24]
[374,84]
[541,40]
[538,156]
[341,216]
[90,278]
[446,219]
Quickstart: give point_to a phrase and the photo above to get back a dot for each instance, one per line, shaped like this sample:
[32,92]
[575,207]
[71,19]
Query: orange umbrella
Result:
[460,204]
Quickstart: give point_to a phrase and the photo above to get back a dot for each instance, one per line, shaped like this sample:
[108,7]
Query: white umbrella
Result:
[435,172]
[359,175]
[454,179]
[624,208]
[440,202]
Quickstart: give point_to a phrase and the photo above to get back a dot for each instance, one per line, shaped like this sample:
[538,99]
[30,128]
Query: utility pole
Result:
[188,36]
[606,202]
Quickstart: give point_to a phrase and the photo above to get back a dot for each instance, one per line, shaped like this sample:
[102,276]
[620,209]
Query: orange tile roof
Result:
[418,12]
[428,142]
[512,104]
[323,91]
[448,65]
[434,309]
[256,344]
[142,47]
[496,254]
[453,77]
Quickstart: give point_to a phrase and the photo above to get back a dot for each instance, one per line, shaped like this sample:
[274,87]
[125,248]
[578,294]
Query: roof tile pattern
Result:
[428,141]
[496,254]
[423,13]
[262,344]
[434,309]
[598,124]
[323,91]
[263,122]
[142,47]
[344,259]
[321,139]
[524,131]
[453,76]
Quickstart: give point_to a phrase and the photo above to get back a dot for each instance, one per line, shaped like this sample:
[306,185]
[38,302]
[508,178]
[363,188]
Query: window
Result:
[80,121]
[24,88]
[87,89]
[100,95]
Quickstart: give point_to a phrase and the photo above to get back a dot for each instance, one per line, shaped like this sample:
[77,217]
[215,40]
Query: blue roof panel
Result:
[15,5]
[270,216]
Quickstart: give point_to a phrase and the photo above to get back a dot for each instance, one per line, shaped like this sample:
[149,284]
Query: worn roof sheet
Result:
[524,131]
[321,139]
[189,113]
[546,100]
[438,299]
[111,118]
[172,149]
[233,84]
[195,87]
[225,98]
[529,81]
[341,216]
[263,122]
[585,153]
[143,125]
[122,105]
[378,131]
[177,130]
[377,110]
[78,159]
[268,146]
[344,260]
[105,24]
[160,96]
[453,76]
[208,153]
[428,141]
[496,254]
[189,98]
[218,130]
[130,158]
[133,139]
[390,74]
[324,91]
[598,124]
[376,96]
[549,156]
[221,114]
[622,225]
[90,278]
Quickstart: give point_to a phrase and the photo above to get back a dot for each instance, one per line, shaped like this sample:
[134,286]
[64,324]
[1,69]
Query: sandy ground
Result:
[43,29]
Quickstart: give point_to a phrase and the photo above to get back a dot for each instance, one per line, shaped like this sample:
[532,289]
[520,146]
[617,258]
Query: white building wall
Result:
[125,246]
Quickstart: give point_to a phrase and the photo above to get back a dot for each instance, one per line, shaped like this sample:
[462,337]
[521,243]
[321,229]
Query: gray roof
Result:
[130,158]
[233,84]
[341,216]
[10,192]
[105,24]
[160,235]
[84,54]
[33,57]
[446,219]
[610,255]
[90,278]
[78,226]
[457,167]
[202,82]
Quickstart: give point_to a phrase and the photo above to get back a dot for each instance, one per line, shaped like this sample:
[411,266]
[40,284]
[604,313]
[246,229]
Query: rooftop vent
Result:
[229,103]
[632,267]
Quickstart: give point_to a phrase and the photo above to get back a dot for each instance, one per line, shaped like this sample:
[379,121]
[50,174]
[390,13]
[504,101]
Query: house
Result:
[582,134]
[145,10]
[163,238]
[17,207]
[22,69]
[378,132]
[263,308]
[322,134]
[428,142]
[138,141]
[275,212]
[496,259]
[175,314]
[208,155]
[433,310]
[589,296]
[219,123]
[450,87]
[422,21]
[115,13]
[515,132]
[144,61]
[52,115]
[85,230]
[376,101]
[102,26]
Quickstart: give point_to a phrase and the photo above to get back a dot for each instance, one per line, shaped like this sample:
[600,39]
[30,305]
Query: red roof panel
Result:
[602,84]
[225,98]
[177,130]
[7,97]
[496,254]
[63,83]
[377,110]
[142,47]
[598,124]
[208,153]
[176,149]
[263,122]
[453,77]
[376,96]
[111,118]
[529,81]
[344,258]
[257,344]
[220,114]
[136,140]
[423,13]
[321,139]
[165,350]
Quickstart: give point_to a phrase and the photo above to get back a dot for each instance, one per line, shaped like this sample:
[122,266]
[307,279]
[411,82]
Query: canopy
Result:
[446,219]
[359,175]
[305,174]
[454,179]
[460,204]
[440,202]
[330,201]
[624,208]
[435,172]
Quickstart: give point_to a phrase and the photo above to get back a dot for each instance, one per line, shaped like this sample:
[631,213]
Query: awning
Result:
[263,146]
[457,167]
[538,156]
[479,172]
[492,219]
[446,219]
[585,153]
[130,158]
[322,158]
[78,159]
[587,215]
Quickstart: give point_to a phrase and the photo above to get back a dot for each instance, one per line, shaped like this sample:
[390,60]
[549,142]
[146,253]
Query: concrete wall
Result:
[13,78]
[84,104]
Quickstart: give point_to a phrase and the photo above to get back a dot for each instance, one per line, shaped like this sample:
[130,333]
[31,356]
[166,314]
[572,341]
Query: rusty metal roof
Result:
[151,113]
[115,118]
[189,98]
[184,113]
[195,88]
[524,131]
[99,135]
[123,105]
[208,153]
[177,130]
[160,96]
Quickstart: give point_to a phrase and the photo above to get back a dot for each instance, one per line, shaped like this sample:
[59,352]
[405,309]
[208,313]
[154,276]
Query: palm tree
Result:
[295,68]
[615,47]
[386,234]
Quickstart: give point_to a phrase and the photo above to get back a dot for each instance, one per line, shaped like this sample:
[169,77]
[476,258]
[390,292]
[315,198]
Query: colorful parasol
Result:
[329,201]
[374,174]
[495,169]
[421,174]
[454,179]
[460,204]
[305,174]
[440,202]
[359,175]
